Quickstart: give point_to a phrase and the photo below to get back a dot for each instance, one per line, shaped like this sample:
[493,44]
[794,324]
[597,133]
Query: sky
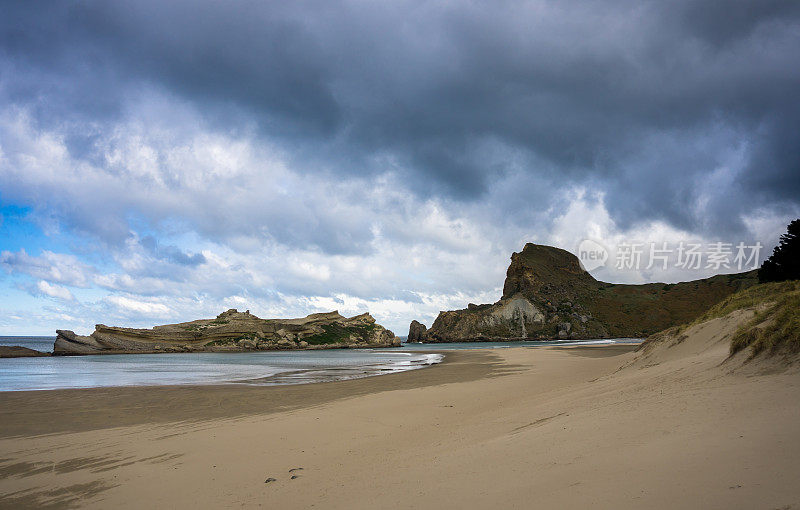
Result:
[166,161]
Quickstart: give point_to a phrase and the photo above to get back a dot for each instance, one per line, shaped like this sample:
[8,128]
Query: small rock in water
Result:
[270,480]
[295,476]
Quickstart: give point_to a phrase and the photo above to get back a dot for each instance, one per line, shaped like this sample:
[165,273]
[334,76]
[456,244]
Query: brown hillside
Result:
[547,294]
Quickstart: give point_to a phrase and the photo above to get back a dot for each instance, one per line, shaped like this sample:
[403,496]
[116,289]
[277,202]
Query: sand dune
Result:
[676,425]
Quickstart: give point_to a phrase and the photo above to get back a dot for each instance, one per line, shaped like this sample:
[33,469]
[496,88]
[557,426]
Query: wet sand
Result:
[27,413]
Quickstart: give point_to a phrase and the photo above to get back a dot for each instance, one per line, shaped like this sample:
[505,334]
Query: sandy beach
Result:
[674,426]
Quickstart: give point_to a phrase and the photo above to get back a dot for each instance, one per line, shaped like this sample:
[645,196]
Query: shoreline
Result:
[205,369]
[34,412]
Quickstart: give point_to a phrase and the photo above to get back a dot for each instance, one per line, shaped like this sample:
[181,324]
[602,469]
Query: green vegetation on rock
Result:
[335,333]
[221,341]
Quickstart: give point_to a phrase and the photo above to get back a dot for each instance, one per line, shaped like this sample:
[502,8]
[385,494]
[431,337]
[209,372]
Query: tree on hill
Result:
[784,264]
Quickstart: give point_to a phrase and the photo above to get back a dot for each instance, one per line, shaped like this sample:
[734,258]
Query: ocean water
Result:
[254,368]
[38,343]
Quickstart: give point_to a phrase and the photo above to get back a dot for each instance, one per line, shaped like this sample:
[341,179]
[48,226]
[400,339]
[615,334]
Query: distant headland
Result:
[548,295]
[232,331]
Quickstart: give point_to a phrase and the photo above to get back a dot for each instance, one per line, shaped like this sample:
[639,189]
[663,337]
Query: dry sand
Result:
[670,427]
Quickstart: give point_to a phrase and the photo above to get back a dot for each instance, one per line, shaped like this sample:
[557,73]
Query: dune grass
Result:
[774,328]
[751,297]
[776,324]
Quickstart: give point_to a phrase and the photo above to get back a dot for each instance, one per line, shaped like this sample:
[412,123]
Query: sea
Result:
[37,343]
[248,368]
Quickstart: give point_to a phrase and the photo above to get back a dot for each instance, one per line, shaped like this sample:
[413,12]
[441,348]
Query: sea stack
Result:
[417,332]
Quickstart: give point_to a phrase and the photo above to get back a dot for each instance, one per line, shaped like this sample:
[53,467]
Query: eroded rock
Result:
[15,351]
[232,331]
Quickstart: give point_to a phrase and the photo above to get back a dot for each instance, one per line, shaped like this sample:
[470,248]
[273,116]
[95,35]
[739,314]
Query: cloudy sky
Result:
[165,161]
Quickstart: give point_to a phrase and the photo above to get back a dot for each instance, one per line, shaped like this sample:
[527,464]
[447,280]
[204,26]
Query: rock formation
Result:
[417,332]
[232,331]
[15,351]
[548,295]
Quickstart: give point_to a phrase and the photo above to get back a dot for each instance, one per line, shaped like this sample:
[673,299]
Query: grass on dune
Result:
[749,298]
[775,327]
[776,324]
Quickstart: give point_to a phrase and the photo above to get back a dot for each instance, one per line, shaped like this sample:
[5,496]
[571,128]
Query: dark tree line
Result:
[784,264]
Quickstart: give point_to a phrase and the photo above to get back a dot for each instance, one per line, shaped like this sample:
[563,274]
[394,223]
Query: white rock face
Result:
[520,308]
[516,310]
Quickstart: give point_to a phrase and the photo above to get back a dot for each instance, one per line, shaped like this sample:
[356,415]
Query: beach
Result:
[571,427]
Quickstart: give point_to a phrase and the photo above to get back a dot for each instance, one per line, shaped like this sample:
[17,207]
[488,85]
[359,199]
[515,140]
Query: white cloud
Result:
[54,267]
[140,307]
[586,217]
[55,291]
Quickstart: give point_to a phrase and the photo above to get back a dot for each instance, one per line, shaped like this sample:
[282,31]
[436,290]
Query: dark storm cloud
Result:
[642,100]
[724,21]
[171,253]
[774,170]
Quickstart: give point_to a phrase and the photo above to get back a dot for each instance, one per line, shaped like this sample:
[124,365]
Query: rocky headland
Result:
[548,295]
[232,331]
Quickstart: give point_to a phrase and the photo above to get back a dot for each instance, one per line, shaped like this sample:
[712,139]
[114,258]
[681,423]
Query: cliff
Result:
[548,295]
[232,331]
